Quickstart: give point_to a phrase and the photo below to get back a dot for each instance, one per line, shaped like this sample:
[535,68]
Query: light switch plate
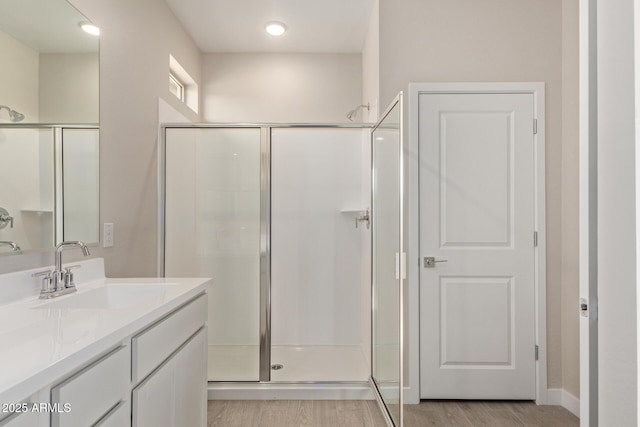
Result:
[107,235]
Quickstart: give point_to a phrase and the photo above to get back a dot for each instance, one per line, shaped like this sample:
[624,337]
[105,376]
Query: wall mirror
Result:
[49,103]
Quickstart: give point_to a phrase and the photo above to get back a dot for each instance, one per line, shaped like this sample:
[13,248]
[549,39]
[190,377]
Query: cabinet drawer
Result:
[92,392]
[120,416]
[26,419]
[151,347]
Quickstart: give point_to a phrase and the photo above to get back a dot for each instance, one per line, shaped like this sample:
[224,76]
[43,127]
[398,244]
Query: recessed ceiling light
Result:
[88,27]
[275,28]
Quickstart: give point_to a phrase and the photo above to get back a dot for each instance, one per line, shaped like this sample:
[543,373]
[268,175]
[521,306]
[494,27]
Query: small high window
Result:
[176,87]
[182,85]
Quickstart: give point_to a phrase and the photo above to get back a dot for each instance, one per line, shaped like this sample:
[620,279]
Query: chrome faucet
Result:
[58,282]
[14,246]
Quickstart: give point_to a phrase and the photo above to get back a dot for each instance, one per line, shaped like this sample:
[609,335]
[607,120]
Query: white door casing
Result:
[588,224]
[477,206]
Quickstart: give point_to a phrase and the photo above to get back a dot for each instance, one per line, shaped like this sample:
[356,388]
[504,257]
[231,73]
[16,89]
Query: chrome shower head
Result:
[352,114]
[14,116]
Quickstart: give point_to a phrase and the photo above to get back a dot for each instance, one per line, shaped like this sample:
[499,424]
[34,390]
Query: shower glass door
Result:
[386,371]
[213,229]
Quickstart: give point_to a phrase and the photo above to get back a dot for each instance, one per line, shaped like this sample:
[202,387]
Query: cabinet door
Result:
[153,399]
[191,383]
[175,394]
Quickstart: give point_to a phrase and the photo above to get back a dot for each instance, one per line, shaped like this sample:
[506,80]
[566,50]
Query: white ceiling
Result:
[47,26]
[320,26]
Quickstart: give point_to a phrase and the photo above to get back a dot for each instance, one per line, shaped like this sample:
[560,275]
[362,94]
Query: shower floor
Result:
[305,363]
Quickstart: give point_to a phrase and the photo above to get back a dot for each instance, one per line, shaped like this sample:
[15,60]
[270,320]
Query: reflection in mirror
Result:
[386,241]
[49,70]
[51,182]
[27,190]
[80,196]
[49,74]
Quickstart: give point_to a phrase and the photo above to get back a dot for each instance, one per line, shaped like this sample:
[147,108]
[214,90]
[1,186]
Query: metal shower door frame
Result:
[265,216]
[397,101]
[265,254]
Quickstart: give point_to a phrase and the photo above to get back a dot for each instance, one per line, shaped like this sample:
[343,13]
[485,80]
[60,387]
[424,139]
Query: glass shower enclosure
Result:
[277,216]
[299,227]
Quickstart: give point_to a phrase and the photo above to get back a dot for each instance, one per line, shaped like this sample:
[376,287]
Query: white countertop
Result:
[40,345]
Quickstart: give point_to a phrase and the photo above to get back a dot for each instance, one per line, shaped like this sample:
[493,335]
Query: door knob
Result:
[430,262]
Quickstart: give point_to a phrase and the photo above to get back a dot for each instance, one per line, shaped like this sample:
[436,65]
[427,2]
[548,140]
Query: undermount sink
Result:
[111,297]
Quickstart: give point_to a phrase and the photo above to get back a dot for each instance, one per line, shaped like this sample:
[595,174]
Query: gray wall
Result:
[570,338]
[280,87]
[20,65]
[69,88]
[371,67]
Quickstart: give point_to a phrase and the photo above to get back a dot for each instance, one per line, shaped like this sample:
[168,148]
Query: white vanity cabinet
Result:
[170,359]
[116,353]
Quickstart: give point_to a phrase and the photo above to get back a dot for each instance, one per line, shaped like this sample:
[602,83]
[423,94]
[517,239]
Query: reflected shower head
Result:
[352,114]
[14,116]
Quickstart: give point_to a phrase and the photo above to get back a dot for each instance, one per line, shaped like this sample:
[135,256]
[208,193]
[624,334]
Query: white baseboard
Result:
[561,397]
[283,391]
[411,395]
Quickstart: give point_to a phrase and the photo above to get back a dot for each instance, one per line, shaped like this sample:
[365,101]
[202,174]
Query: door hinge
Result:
[535,126]
[536,351]
[535,239]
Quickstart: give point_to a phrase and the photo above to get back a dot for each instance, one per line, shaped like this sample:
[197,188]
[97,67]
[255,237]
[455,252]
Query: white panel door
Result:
[477,327]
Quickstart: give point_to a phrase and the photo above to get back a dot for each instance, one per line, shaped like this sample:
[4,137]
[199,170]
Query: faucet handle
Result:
[68,276]
[46,281]
[45,273]
[5,218]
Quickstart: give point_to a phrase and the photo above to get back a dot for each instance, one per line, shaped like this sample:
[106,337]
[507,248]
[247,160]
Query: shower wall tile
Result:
[316,250]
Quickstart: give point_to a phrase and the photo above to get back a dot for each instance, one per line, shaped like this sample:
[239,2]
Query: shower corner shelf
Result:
[361,215]
[353,211]
[37,211]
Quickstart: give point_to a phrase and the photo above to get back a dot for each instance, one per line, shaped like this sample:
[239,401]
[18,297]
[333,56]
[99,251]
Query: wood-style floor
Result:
[490,413]
[365,413]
